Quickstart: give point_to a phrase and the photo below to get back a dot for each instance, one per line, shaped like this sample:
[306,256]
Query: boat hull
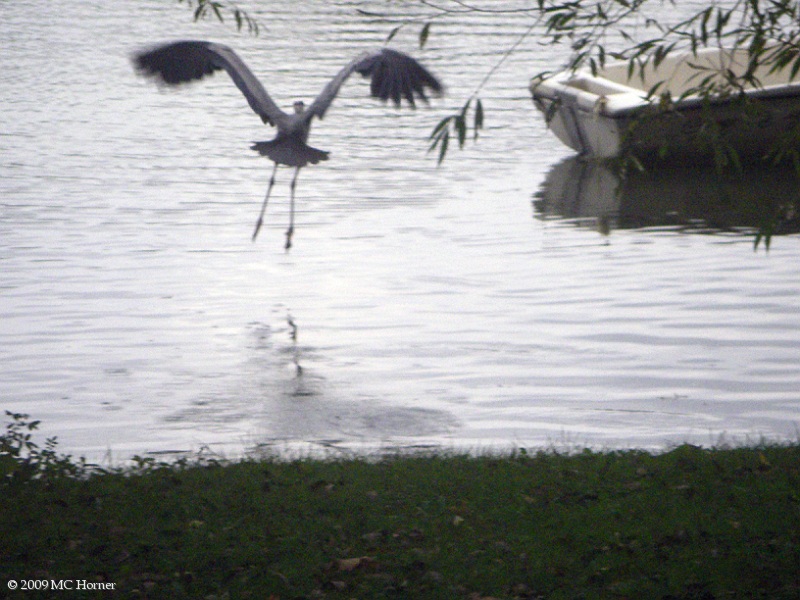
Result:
[605,115]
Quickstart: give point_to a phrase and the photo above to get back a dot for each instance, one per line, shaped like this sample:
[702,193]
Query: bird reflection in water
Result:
[295,350]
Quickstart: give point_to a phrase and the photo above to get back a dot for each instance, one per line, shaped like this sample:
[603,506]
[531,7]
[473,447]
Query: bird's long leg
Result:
[290,231]
[264,205]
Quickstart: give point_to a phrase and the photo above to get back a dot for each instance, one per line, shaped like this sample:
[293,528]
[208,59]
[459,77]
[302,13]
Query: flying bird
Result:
[394,76]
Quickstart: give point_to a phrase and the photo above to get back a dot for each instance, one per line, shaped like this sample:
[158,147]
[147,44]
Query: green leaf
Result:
[764,235]
[444,139]
[436,130]
[216,7]
[795,67]
[393,33]
[423,34]
[704,23]
[437,137]
[460,125]
[478,124]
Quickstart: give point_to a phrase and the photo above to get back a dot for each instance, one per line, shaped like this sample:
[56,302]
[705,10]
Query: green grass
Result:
[686,524]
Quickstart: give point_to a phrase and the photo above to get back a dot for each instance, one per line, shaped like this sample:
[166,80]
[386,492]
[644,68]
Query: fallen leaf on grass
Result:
[763,463]
[351,564]
[373,536]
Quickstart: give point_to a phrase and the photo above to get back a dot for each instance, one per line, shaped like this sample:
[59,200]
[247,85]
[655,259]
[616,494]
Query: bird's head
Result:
[299,107]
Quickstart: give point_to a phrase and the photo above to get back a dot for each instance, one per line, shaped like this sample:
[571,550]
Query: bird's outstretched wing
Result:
[185,61]
[394,76]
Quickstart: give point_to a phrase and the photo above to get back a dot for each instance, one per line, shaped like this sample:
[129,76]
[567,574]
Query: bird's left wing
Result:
[394,75]
[185,61]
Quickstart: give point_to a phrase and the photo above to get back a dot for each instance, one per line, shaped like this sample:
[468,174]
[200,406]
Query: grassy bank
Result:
[689,523]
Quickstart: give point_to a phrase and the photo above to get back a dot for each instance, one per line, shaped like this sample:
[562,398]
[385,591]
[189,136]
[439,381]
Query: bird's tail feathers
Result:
[290,151]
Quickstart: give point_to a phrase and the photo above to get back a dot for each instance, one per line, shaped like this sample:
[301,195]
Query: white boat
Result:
[604,114]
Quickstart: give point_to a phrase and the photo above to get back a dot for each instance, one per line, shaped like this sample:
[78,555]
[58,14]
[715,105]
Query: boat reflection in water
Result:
[698,199]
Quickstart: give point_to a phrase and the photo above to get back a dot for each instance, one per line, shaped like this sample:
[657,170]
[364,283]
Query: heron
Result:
[394,76]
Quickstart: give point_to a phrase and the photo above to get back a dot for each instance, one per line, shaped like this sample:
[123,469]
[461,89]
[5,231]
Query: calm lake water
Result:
[503,299]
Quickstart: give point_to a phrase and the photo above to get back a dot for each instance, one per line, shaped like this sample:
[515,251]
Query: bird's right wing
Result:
[185,61]
[394,75]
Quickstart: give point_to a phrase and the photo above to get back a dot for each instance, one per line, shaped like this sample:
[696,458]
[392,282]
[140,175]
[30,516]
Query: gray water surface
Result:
[466,305]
